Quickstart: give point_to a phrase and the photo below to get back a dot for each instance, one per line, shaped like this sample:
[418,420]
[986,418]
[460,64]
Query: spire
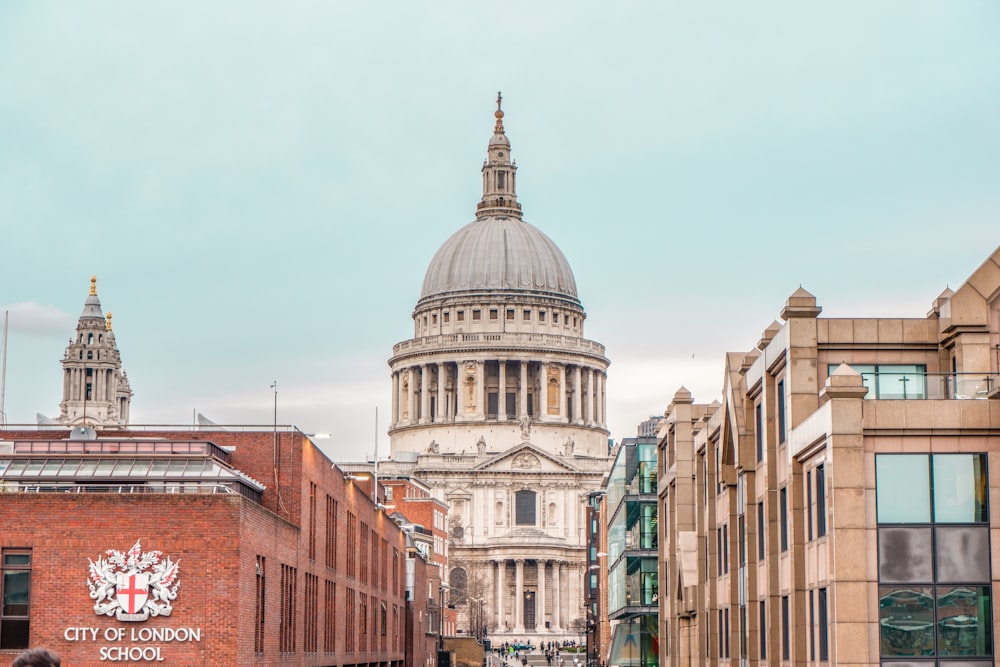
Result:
[498,128]
[93,285]
[499,174]
[92,306]
[108,325]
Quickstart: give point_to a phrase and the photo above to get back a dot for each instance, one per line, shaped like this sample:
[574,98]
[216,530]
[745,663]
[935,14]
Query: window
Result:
[526,315]
[330,616]
[809,505]
[510,313]
[460,316]
[783,510]
[259,602]
[541,316]
[555,318]
[786,640]
[781,412]
[15,591]
[286,631]
[824,641]
[761,536]
[762,631]
[524,508]
[310,622]
[933,555]
[434,318]
[820,501]
[477,314]
[446,316]
[891,381]
[759,424]
[501,179]
[331,532]
[494,314]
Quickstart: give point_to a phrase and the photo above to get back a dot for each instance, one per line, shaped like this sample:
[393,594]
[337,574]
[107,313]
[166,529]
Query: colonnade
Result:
[101,380]
[525,607]
[498,389]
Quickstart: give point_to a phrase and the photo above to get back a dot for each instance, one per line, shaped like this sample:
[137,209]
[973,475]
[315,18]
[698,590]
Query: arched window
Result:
[459,582]
[524,508]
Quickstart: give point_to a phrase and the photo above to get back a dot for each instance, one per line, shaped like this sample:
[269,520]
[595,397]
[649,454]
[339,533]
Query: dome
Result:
[499,254]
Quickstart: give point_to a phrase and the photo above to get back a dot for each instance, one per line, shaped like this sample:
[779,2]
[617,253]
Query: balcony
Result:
[921,385]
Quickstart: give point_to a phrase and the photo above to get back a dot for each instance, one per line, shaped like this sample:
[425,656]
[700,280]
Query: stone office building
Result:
[840,506]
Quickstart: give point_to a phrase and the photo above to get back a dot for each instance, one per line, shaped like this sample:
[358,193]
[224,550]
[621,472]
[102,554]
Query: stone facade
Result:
[840,505]
[96,392]
[499,407]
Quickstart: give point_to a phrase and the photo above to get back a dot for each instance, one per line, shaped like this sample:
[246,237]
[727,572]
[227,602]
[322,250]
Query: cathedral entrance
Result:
[529,609]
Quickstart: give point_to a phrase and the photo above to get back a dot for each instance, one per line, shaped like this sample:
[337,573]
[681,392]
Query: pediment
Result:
[525,458]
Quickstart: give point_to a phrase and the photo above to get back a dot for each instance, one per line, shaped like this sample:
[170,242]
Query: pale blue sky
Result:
[259,187]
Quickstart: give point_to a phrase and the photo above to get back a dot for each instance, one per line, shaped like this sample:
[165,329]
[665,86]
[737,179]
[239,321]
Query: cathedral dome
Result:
[499,254]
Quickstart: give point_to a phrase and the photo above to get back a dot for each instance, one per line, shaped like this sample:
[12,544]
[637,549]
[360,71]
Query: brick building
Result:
[220,547]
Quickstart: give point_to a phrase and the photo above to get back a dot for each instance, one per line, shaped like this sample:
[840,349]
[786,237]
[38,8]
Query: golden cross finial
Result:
[499,114]
[93,285]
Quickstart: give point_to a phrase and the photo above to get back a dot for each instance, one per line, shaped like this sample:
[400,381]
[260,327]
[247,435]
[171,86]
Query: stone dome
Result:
[499,254]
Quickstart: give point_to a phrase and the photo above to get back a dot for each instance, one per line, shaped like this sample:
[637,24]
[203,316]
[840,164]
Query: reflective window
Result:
[906,620]
[900,495]
[964,621]
[959,488]
[904,555]
[963,554]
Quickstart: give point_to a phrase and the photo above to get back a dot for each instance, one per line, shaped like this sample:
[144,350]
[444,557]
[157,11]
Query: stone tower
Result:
[95,389]
[498,404]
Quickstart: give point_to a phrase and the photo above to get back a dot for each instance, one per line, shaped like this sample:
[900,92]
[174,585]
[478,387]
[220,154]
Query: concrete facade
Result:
[835,508]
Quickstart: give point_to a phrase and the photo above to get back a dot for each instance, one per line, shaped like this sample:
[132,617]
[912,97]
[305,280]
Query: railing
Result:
[7,487]
[493,339]
[919,386]
[161,447]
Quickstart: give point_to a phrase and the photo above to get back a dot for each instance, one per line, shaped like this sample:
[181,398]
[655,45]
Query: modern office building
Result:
[633,554]
[840,506]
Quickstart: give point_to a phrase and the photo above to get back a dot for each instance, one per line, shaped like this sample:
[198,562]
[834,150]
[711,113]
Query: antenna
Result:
[375,476]
[3,368]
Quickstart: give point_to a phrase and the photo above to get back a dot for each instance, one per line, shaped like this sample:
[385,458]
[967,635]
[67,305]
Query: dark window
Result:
[494,314]
[761,535]
[812,625]
[759,422]
[741,548]
[510,313]
[783,510]
[15,592]
[786,640]
[330,616]
[259,602]
[524,508]
[477,314]
[762,623]
[820,501]
[809,505]
[824,651]
[781,412]
[501,179]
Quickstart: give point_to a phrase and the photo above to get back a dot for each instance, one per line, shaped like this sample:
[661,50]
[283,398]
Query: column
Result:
[411,398]
[540,610]
[502,391]
[501,571]
[440,413]
[577,396]
[543,386]
[481,403]
[394,413]
[563,392]
[557,592]
[590,397]
[522,393]
[425,393]
[519,596]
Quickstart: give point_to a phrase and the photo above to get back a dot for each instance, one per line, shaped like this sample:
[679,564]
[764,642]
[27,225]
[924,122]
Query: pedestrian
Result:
[37,657]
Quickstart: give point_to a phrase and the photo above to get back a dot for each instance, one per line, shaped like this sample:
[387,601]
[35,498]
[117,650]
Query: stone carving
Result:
[481,445]
[568,446]
[525,460]
[525,427]
[434,447]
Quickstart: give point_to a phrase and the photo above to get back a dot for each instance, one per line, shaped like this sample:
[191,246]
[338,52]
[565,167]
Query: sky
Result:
[260,186]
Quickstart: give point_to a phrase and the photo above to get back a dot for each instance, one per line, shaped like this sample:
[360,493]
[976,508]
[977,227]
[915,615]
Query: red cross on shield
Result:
[132,591]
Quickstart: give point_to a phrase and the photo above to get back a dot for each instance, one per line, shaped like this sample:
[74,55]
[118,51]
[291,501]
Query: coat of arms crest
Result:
[132,585]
